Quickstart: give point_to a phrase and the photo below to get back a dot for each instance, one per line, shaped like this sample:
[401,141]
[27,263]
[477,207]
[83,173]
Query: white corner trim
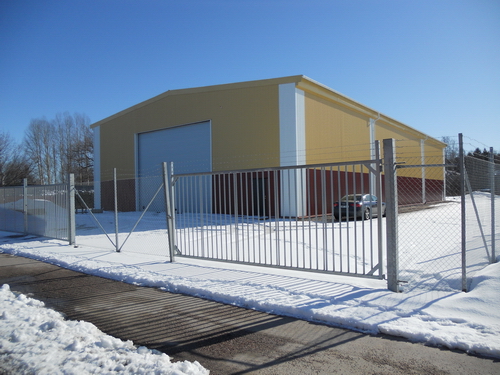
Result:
[292,125]
[292,129]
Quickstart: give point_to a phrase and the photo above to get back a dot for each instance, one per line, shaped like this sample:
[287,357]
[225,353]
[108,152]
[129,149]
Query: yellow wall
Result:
[338,130]
[434,155]
[245,126]
[408,150]
[334,133]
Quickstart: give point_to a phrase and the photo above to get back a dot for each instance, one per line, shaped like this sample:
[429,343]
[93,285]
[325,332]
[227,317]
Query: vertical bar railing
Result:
[236,213]
[339,198]
[332,200]
[323,219]
[315,192]
[276,217]
[279,217]
[199,182]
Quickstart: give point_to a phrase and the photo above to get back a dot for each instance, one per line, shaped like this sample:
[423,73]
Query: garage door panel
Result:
[188,147]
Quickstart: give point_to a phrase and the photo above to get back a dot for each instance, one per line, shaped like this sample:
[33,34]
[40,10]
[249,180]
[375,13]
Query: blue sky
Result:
[433,65]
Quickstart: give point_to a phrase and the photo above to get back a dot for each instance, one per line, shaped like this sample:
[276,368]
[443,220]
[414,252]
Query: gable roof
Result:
[302,82]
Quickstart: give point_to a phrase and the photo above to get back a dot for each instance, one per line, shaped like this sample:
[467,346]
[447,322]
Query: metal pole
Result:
[276,215]
[236,213]
[116,211]
[492,191]
[169,212]
[378,192]
[198,180]
[25,204]
[422,160]
[71,209]
[391,195]
[323,219]
[461,162]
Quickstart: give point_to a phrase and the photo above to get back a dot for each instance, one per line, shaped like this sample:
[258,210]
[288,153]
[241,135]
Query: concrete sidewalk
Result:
[226,339]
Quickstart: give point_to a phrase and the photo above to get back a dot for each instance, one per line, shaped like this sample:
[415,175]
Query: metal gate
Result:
[288,217]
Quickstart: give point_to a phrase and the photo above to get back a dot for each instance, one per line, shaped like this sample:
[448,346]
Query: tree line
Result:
[452,151]
[50,150]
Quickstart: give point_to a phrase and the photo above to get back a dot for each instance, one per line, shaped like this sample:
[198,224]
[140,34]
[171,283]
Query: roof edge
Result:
[310,85]
[225,86]
[301,82]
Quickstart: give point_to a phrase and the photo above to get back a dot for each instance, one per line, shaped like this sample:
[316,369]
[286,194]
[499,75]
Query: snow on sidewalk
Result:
[34,339]
[456,320]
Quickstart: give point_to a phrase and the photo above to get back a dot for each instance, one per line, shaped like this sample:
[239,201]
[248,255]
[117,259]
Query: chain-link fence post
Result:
[25,204]
[391,196]
[71,209]
[116,210]
[461,163]
[492,192]
[169,209]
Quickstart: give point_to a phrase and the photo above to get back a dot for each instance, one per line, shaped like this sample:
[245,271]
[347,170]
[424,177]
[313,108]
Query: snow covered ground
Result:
[435,316]
[429,240]
[37,340]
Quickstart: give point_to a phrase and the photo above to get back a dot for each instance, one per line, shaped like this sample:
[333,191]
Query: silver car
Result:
[362,206]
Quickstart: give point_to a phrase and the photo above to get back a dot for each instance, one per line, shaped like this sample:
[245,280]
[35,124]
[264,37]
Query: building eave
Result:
[309,85]
[202,89]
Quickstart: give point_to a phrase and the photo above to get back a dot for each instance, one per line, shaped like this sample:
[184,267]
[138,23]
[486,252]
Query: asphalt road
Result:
[227,339]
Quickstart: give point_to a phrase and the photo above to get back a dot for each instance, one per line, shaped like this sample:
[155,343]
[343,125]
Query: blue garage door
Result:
[189,147]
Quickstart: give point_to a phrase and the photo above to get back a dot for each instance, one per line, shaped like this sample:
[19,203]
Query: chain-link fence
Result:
[445,218]
[444,237]
[429,228]
[86,197]
[482,183]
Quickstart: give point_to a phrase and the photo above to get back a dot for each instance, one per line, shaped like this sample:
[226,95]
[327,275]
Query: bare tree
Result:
[41,149]
[75,146]
[83,150]
[14,166]
[451,151]
[59,147]
[64,127]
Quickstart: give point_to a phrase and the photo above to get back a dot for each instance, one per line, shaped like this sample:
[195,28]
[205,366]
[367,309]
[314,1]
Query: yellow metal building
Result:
[267,123]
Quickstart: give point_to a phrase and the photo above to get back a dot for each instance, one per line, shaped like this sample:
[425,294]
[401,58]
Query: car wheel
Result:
[383,213]
[366,214]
